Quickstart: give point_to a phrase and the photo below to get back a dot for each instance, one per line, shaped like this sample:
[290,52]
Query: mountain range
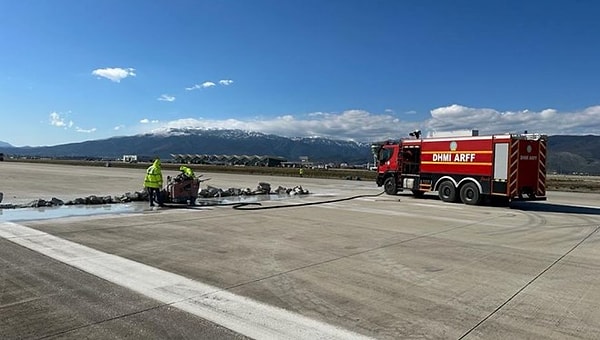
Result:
[200,141]
[5,145]
[566,154]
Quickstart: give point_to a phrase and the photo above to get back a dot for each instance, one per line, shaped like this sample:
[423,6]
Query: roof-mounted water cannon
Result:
[416,134]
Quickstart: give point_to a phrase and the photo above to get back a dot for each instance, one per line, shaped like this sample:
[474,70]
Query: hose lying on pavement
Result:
[258,206]
[245,206]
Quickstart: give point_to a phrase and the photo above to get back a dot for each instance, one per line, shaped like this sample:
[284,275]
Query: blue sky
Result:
[75,70]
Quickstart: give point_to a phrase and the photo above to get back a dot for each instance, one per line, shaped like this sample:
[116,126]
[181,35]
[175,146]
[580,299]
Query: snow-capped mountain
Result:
[202,141]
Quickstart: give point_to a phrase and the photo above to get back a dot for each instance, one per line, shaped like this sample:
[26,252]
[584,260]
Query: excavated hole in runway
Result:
[45,213]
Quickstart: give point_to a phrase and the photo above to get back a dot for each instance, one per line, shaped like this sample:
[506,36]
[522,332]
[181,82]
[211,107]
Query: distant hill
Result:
[5,145]
[566,154]
[569,154]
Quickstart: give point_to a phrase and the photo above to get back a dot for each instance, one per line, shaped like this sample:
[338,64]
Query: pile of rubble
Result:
[142,195]
[262,189]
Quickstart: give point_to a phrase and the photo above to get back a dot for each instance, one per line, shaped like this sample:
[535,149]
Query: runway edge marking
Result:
[238,313]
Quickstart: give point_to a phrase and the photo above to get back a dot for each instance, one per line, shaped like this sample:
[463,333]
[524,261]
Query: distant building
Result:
[303,163]
[238,160]
[130,158]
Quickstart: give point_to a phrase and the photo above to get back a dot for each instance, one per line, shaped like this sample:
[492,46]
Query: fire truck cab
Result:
[467,168]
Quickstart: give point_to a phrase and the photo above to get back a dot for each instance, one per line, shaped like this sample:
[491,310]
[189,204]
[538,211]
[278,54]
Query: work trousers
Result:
[154,196]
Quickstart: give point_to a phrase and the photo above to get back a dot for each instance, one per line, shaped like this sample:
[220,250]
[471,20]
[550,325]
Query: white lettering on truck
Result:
[528,158]
[442,157]
[458,158]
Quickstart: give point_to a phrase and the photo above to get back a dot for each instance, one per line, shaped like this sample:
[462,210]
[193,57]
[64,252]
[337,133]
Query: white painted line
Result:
[238,313]
[447,206]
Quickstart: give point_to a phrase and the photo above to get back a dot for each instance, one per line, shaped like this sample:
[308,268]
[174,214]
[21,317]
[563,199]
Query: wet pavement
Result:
[28,214]
[54,212]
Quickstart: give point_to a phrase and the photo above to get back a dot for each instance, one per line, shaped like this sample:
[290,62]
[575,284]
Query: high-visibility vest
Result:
[154,178]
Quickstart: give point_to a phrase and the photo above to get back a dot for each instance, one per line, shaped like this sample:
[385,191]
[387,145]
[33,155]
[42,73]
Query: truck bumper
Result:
[523,199]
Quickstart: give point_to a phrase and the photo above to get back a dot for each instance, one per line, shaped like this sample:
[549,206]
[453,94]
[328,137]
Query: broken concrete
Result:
[263,188]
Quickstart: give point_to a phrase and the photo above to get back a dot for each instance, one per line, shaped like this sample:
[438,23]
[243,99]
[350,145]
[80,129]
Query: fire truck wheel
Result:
[389,186]
[447,192]
[469,194]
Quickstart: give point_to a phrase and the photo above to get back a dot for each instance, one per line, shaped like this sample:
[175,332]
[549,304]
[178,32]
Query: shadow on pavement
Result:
[558,208]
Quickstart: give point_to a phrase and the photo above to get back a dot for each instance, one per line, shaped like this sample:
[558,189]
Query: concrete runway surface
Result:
[385,267]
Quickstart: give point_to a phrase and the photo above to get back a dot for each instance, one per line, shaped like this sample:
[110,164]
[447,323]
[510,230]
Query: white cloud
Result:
[59,120]
[118,127]
[350,125]
[204,85]
[115,74]
[194,87]
[361,125]
[550,121]
[166,98]
[207,84]
[148,121]
[78,129]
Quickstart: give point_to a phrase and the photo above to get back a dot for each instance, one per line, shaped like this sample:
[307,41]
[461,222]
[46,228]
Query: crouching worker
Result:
[153,182]
[187,172]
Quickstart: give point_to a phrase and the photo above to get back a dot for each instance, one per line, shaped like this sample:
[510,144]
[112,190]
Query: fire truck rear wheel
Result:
[447,192]
[469,194]
[389,186]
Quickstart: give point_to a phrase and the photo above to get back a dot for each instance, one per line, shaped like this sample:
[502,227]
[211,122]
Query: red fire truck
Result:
[467,169]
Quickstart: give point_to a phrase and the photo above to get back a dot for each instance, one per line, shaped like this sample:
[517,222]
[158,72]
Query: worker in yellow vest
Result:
[153,183]
[187,171]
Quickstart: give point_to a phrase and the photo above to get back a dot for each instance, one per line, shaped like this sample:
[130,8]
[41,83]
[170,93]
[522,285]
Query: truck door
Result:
[532,167]
[499,184]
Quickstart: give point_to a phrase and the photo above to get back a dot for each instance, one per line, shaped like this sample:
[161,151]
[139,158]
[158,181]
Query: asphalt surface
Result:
[385,267]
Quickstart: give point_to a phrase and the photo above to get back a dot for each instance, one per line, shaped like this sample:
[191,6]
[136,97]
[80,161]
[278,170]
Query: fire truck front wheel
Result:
[469,194]
[389,186]
[447,192]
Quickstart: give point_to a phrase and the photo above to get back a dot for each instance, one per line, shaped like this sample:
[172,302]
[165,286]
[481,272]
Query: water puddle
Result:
[29,214]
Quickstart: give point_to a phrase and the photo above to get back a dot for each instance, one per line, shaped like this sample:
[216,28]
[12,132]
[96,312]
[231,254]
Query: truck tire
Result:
[389,186]
[469,194]
[447,192]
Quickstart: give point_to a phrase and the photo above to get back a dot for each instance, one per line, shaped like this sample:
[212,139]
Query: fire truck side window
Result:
[384,154]
[411,159]
[407,155]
